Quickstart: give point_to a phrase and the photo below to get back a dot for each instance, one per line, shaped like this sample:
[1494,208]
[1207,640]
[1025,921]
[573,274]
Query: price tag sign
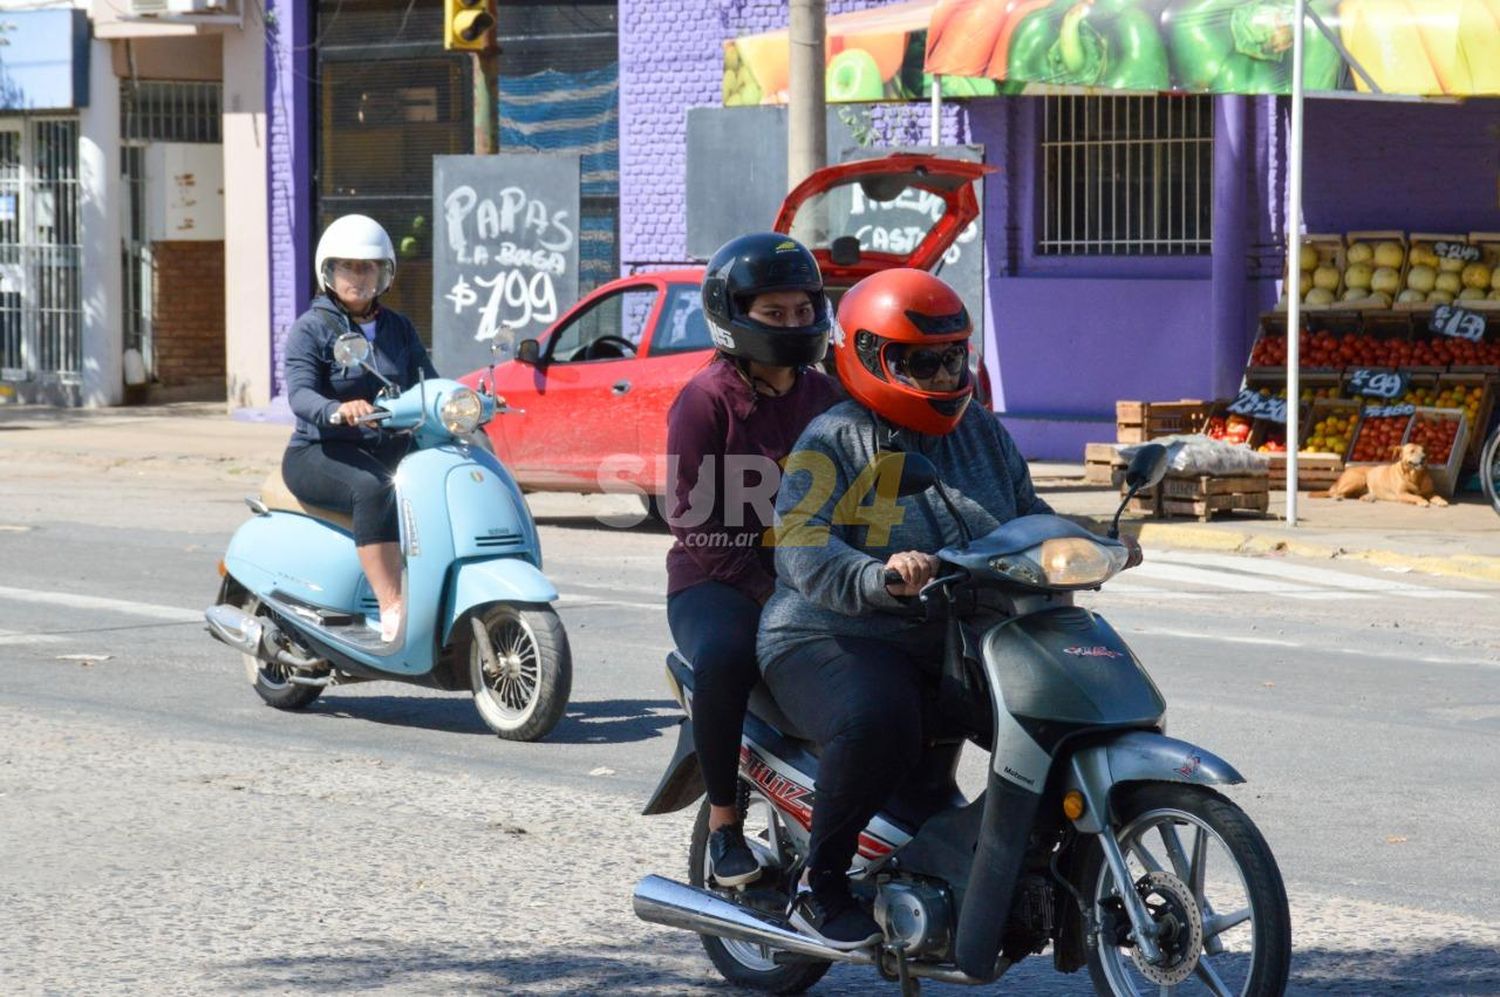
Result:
[1390,410]
[1460,323]
[1379,383]
[1251,403]
[1457,251]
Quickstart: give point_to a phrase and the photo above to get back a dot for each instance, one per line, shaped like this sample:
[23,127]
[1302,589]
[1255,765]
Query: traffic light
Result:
[468,25]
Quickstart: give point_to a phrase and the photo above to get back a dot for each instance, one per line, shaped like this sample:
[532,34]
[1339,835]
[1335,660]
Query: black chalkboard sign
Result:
[1379,383]
[504,253]
[1252,403]
[1457,251]
[1451,320]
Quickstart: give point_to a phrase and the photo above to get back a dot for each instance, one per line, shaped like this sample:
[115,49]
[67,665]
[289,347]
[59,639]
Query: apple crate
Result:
[1103,465]
[1202,496]
[1330,253]
[1137,422]
[1442,424]
[1221,424]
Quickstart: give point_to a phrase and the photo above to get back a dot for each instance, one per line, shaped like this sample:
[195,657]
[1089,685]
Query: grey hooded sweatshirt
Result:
[837,588]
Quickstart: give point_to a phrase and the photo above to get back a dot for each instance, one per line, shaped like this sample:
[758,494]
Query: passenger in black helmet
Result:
[726,433]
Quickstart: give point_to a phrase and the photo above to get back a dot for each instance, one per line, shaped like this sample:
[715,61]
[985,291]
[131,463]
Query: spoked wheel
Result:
[1489,470]
[745,963]
[521,681]
[273,681]
[1209,881]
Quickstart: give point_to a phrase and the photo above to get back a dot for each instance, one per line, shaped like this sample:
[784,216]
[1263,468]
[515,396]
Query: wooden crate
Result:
[1103,465]
[1330,250]
[1315,471]
[1444,475]
[1137,422]
[1202,496]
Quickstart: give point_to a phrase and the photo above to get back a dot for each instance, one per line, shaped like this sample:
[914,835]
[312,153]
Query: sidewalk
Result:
[189,438]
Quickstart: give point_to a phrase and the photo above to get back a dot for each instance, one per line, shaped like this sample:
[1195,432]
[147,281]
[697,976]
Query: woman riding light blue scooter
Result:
[296,602]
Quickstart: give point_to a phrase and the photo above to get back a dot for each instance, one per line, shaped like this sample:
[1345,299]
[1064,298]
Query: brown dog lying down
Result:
[1406,480]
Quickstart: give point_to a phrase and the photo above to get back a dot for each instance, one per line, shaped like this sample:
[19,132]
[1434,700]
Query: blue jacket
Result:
[316,385]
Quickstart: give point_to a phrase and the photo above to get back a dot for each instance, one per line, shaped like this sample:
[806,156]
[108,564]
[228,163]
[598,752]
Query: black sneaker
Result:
[835,918]
[730,860]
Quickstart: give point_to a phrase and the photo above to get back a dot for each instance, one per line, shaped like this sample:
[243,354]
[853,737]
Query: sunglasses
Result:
[923,364]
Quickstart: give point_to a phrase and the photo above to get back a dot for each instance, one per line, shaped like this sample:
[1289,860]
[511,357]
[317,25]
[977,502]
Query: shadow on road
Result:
[1456,968]
[595,969]
[616,721]
[605,721]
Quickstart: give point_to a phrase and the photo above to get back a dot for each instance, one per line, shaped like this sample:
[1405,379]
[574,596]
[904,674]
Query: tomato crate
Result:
[1436,428]
[1137,422]
[1379,433]
[1202,496]
[1103,465]
[1315,471]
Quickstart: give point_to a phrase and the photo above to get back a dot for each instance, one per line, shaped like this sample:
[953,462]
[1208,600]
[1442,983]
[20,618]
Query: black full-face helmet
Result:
[759,264]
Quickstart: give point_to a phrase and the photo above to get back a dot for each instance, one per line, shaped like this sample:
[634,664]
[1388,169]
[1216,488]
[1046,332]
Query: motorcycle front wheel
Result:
[1209,881]
[1489,470]
[522,693]
[746,964]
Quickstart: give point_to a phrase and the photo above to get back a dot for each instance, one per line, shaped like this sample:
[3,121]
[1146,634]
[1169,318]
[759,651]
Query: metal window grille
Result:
[1126,176]
[170,110]
[136,254]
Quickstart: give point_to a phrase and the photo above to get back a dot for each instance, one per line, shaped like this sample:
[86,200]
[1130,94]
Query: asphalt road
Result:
[161,831]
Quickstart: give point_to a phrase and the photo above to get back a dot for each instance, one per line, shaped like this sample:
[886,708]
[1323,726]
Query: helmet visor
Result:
[358,279]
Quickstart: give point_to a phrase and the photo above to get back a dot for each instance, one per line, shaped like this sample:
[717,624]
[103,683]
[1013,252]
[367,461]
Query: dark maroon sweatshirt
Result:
[726,443]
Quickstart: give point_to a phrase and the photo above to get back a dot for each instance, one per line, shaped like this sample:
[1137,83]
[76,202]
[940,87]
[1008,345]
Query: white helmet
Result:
[356,237]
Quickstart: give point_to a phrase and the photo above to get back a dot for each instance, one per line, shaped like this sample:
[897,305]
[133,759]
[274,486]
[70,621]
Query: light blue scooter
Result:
[296,603]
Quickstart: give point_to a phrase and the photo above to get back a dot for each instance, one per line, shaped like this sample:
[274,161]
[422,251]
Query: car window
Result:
[621,315]
[682,328]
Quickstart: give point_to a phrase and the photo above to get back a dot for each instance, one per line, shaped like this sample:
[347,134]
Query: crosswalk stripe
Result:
[11,638]
[1309,574]
[1162,571]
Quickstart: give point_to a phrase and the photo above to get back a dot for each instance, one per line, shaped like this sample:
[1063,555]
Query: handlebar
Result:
[379,415]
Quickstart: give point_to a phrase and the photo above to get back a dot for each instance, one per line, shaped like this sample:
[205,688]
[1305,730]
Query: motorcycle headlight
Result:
[1062,562]
[461,411]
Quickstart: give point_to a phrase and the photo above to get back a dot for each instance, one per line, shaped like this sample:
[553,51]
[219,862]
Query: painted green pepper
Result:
[1230,46]
[1105,43]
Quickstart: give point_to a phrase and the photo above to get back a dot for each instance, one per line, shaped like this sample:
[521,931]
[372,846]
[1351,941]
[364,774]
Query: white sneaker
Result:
[390,626]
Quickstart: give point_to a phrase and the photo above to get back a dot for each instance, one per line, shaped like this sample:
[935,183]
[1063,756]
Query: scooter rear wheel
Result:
[272,682]
[522,694]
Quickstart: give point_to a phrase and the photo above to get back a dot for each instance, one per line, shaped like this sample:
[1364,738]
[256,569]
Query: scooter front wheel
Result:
[522,672]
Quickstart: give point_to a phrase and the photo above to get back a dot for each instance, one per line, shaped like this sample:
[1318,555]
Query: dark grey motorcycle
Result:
[1096,834]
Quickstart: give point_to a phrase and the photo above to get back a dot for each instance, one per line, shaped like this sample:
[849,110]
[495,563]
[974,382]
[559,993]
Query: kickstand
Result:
[910,985]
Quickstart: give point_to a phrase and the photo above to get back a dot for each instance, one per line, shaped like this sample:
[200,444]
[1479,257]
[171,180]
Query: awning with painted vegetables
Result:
[983,47]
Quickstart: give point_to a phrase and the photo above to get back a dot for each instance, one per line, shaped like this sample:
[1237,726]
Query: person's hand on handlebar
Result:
[914,569]
[349,411]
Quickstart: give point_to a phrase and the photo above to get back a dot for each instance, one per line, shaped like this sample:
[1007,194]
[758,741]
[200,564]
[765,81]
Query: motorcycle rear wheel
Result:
[529,694]
[1216,851]
[743,963]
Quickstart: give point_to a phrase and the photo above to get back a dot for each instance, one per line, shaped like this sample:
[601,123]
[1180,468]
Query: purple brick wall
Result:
[671,59]
[289,71]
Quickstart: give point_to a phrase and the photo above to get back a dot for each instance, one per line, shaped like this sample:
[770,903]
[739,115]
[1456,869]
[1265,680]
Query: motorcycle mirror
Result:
[351,349]
[916,472]
[1147,467]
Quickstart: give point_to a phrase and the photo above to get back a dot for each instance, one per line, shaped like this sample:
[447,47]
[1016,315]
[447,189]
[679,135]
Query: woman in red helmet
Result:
[844,653]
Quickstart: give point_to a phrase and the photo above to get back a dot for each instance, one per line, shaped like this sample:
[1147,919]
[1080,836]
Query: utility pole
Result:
[807,144]
[486,76]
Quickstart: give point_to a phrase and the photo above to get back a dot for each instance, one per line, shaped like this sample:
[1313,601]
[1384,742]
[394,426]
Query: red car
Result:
[593,391]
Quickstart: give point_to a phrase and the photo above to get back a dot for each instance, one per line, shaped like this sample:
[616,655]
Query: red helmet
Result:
[883,318]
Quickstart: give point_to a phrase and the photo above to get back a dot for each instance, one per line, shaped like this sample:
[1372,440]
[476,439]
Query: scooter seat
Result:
[274,494]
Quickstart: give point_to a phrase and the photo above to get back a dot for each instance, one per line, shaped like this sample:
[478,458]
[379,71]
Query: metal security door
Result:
[40,254]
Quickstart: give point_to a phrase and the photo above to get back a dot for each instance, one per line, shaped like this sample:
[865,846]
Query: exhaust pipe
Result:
[677,905]
[236,628]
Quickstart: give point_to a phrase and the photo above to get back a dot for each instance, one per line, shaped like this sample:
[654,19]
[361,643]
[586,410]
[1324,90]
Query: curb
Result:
[1231,541]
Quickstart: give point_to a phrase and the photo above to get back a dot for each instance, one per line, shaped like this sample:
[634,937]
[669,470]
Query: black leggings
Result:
[714,627]
[861,700]
[349,477]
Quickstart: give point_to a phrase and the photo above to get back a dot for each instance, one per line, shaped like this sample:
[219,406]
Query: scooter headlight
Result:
[461,411]
[1063,563]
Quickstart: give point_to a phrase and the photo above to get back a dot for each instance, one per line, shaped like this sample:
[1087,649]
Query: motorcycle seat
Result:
[274,494]
[763,705]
